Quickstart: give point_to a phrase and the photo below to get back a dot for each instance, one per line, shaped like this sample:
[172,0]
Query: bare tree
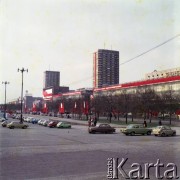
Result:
[169,103]
[148,97]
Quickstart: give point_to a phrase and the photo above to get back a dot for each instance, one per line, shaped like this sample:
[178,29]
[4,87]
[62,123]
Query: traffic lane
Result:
[39,135]
[47,165]
[136,148]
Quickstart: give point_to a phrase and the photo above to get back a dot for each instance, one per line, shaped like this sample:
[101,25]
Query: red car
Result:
[53,124]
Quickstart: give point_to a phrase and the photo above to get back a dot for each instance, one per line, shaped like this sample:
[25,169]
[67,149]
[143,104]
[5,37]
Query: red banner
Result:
[61,108]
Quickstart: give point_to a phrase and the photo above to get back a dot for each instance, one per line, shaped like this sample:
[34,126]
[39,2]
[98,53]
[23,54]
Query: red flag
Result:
[75,105]
[86,107]
[45,109]
[25,108]
[34,108]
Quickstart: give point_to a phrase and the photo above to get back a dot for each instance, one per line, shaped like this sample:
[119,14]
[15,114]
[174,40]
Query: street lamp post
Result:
[5,83]
[22,71]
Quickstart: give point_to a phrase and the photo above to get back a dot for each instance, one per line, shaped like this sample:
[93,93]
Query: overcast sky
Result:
[62,35]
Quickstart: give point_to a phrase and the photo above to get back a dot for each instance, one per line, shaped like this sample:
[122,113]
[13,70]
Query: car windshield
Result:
[104,125]
[158,127]
[167,127]
[130,126]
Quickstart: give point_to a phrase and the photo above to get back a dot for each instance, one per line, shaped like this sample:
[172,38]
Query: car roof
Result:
[134,124]
[104,124]
[164,126]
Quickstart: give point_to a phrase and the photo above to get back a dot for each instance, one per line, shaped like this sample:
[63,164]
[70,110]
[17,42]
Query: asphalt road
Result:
[49,153]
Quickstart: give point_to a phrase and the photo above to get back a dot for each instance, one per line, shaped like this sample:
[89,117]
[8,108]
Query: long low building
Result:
[159,85]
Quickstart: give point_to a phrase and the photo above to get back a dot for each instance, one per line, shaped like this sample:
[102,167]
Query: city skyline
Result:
[62,36]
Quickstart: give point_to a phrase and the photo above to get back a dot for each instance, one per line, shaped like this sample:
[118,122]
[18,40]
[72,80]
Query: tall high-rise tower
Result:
[51,78]
[105,68]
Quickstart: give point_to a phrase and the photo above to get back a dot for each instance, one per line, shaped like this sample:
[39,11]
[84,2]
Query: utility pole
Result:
[5,83]
[22,71]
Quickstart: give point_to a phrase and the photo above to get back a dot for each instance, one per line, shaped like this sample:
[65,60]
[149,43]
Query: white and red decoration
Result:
[47,94]
[85,107]
[45,108]
[34,109]
[61,108]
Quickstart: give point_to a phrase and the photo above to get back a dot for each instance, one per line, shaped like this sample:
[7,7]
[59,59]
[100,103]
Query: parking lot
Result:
[40,152]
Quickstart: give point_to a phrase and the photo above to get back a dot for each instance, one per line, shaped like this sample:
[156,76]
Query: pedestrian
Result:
[145,123]
[110,116]
[95,121]
[160,123]
[92,122]
[89,122]
[115,116]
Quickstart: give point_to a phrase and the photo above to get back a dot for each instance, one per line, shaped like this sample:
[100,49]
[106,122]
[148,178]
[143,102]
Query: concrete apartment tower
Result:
[105,68]
[51,79]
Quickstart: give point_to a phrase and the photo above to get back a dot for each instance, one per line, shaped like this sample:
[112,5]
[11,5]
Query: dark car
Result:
[34,121]
[53,124]
[101,128]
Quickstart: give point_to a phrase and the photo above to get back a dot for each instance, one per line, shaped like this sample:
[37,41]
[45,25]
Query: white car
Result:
[2,119]
[45,123]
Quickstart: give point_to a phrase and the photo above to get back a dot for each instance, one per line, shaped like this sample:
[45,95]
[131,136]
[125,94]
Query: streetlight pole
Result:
[22,71]
[5,83]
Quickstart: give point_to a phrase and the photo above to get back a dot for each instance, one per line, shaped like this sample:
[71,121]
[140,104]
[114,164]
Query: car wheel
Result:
[93,132]
[174,133]
[163,135]
[149,133]
[155,135]
[24,127]
[132,133]
[12,127]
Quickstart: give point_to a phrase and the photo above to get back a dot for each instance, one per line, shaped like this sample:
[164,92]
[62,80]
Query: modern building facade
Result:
[165,81]
[51,79]
[105,68]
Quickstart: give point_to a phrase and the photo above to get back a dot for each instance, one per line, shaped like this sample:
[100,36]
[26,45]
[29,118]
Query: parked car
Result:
[13,116]
[15,124]
[40,121]
[163,131]
[2,119]
[63,125]
[45,122]
[34,121]
[102,128]
[30,119]
[133,129]
[4,123]
[165,116]
[53,124]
